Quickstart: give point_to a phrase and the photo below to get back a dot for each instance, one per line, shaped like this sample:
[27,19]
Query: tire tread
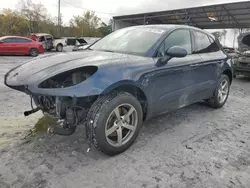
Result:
[97,109]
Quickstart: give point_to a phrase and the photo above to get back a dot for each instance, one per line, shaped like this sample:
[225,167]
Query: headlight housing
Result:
[69,78]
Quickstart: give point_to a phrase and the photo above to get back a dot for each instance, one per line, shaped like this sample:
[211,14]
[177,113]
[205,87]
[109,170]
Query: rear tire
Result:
[220,95]
[33,52]
[59,48]
[116,119]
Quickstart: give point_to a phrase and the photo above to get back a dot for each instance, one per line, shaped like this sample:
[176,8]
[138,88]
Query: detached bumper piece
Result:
[62,130]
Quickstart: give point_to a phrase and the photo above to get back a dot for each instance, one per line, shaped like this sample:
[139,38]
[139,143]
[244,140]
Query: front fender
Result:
[123,83]
[103,81]
[227,64]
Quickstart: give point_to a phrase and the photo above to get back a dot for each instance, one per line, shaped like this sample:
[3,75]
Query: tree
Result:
[86,24]
[223,35]
[33,17]
[106,29]
[217,34]
[34,13]
[12,23]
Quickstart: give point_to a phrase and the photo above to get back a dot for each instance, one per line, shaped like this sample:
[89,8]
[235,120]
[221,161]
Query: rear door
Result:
[211,58]
[22,45]
[42,39]
[49,41]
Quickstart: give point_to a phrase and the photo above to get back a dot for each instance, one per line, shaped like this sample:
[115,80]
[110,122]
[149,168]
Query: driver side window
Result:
[180,37]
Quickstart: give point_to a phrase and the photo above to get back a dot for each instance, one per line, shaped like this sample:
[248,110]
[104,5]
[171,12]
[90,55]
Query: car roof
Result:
[41,34]
[4,37]
[168,27]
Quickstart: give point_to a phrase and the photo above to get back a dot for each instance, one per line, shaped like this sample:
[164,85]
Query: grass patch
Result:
[42,125]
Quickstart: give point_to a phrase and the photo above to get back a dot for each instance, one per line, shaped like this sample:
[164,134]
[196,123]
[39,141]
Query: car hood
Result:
[45,66]
[244,42]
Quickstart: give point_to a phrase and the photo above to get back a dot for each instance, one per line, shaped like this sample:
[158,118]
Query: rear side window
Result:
[16,40]
[180,37]
[204,43]
[21,40]
[10,40]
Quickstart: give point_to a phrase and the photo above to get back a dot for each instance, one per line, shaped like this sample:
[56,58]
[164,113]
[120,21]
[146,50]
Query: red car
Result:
[14,45]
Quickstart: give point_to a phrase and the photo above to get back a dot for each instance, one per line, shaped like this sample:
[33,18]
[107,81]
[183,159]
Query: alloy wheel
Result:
[121,125]
[33,52]
[223,91]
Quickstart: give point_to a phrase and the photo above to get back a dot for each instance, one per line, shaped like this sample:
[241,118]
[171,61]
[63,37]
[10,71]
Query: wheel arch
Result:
[229,73]
[59,44]
[134,89]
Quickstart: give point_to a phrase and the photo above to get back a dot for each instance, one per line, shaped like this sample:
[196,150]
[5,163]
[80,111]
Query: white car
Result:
[49,42]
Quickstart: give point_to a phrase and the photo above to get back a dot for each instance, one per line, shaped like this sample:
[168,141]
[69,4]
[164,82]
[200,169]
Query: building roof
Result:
[218,16]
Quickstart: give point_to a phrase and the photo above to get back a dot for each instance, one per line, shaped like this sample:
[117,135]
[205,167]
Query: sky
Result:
[105,9]
[108,8]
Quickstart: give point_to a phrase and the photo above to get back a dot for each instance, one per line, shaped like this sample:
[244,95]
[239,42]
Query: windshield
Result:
[131,40]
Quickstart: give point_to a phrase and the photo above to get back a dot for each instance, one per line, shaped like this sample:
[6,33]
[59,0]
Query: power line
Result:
[59,17]
[86,9]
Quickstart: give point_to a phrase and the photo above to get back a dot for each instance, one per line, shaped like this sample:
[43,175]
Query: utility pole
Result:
[59,18]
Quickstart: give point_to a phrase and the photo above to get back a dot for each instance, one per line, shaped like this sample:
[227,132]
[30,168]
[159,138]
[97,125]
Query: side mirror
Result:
[176,51]
[1,42]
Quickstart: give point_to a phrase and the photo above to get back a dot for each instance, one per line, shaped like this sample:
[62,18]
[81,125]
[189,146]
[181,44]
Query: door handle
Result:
[178,70]
[195,65]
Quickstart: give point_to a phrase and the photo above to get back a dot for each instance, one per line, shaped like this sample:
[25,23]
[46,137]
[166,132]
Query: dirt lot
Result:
[193,147]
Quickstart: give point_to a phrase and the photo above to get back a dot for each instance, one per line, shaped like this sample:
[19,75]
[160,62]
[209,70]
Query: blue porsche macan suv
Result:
[127,77]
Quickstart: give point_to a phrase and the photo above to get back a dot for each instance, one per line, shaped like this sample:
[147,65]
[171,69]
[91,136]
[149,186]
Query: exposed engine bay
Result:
[69,78]
[70,111]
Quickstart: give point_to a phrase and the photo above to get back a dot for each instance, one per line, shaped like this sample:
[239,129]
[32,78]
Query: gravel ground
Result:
[192,147]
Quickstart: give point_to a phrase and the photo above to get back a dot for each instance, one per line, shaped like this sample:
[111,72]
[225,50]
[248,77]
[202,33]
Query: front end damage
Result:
[69,110]
[241,65]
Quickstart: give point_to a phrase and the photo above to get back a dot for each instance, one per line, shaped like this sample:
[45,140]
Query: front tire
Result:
[221,93]
[116,119]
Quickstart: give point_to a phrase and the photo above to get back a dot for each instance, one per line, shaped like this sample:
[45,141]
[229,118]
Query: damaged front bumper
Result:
[68,109]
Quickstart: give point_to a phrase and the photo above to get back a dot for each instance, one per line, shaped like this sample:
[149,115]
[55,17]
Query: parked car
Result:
[76,41]
[15,45]
[80,47]
[241,64]
[127,77]
[83,46]
[49,42]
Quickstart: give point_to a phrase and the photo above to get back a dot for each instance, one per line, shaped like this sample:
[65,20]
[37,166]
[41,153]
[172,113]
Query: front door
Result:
[174,84]
[2,47]
[8,46]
